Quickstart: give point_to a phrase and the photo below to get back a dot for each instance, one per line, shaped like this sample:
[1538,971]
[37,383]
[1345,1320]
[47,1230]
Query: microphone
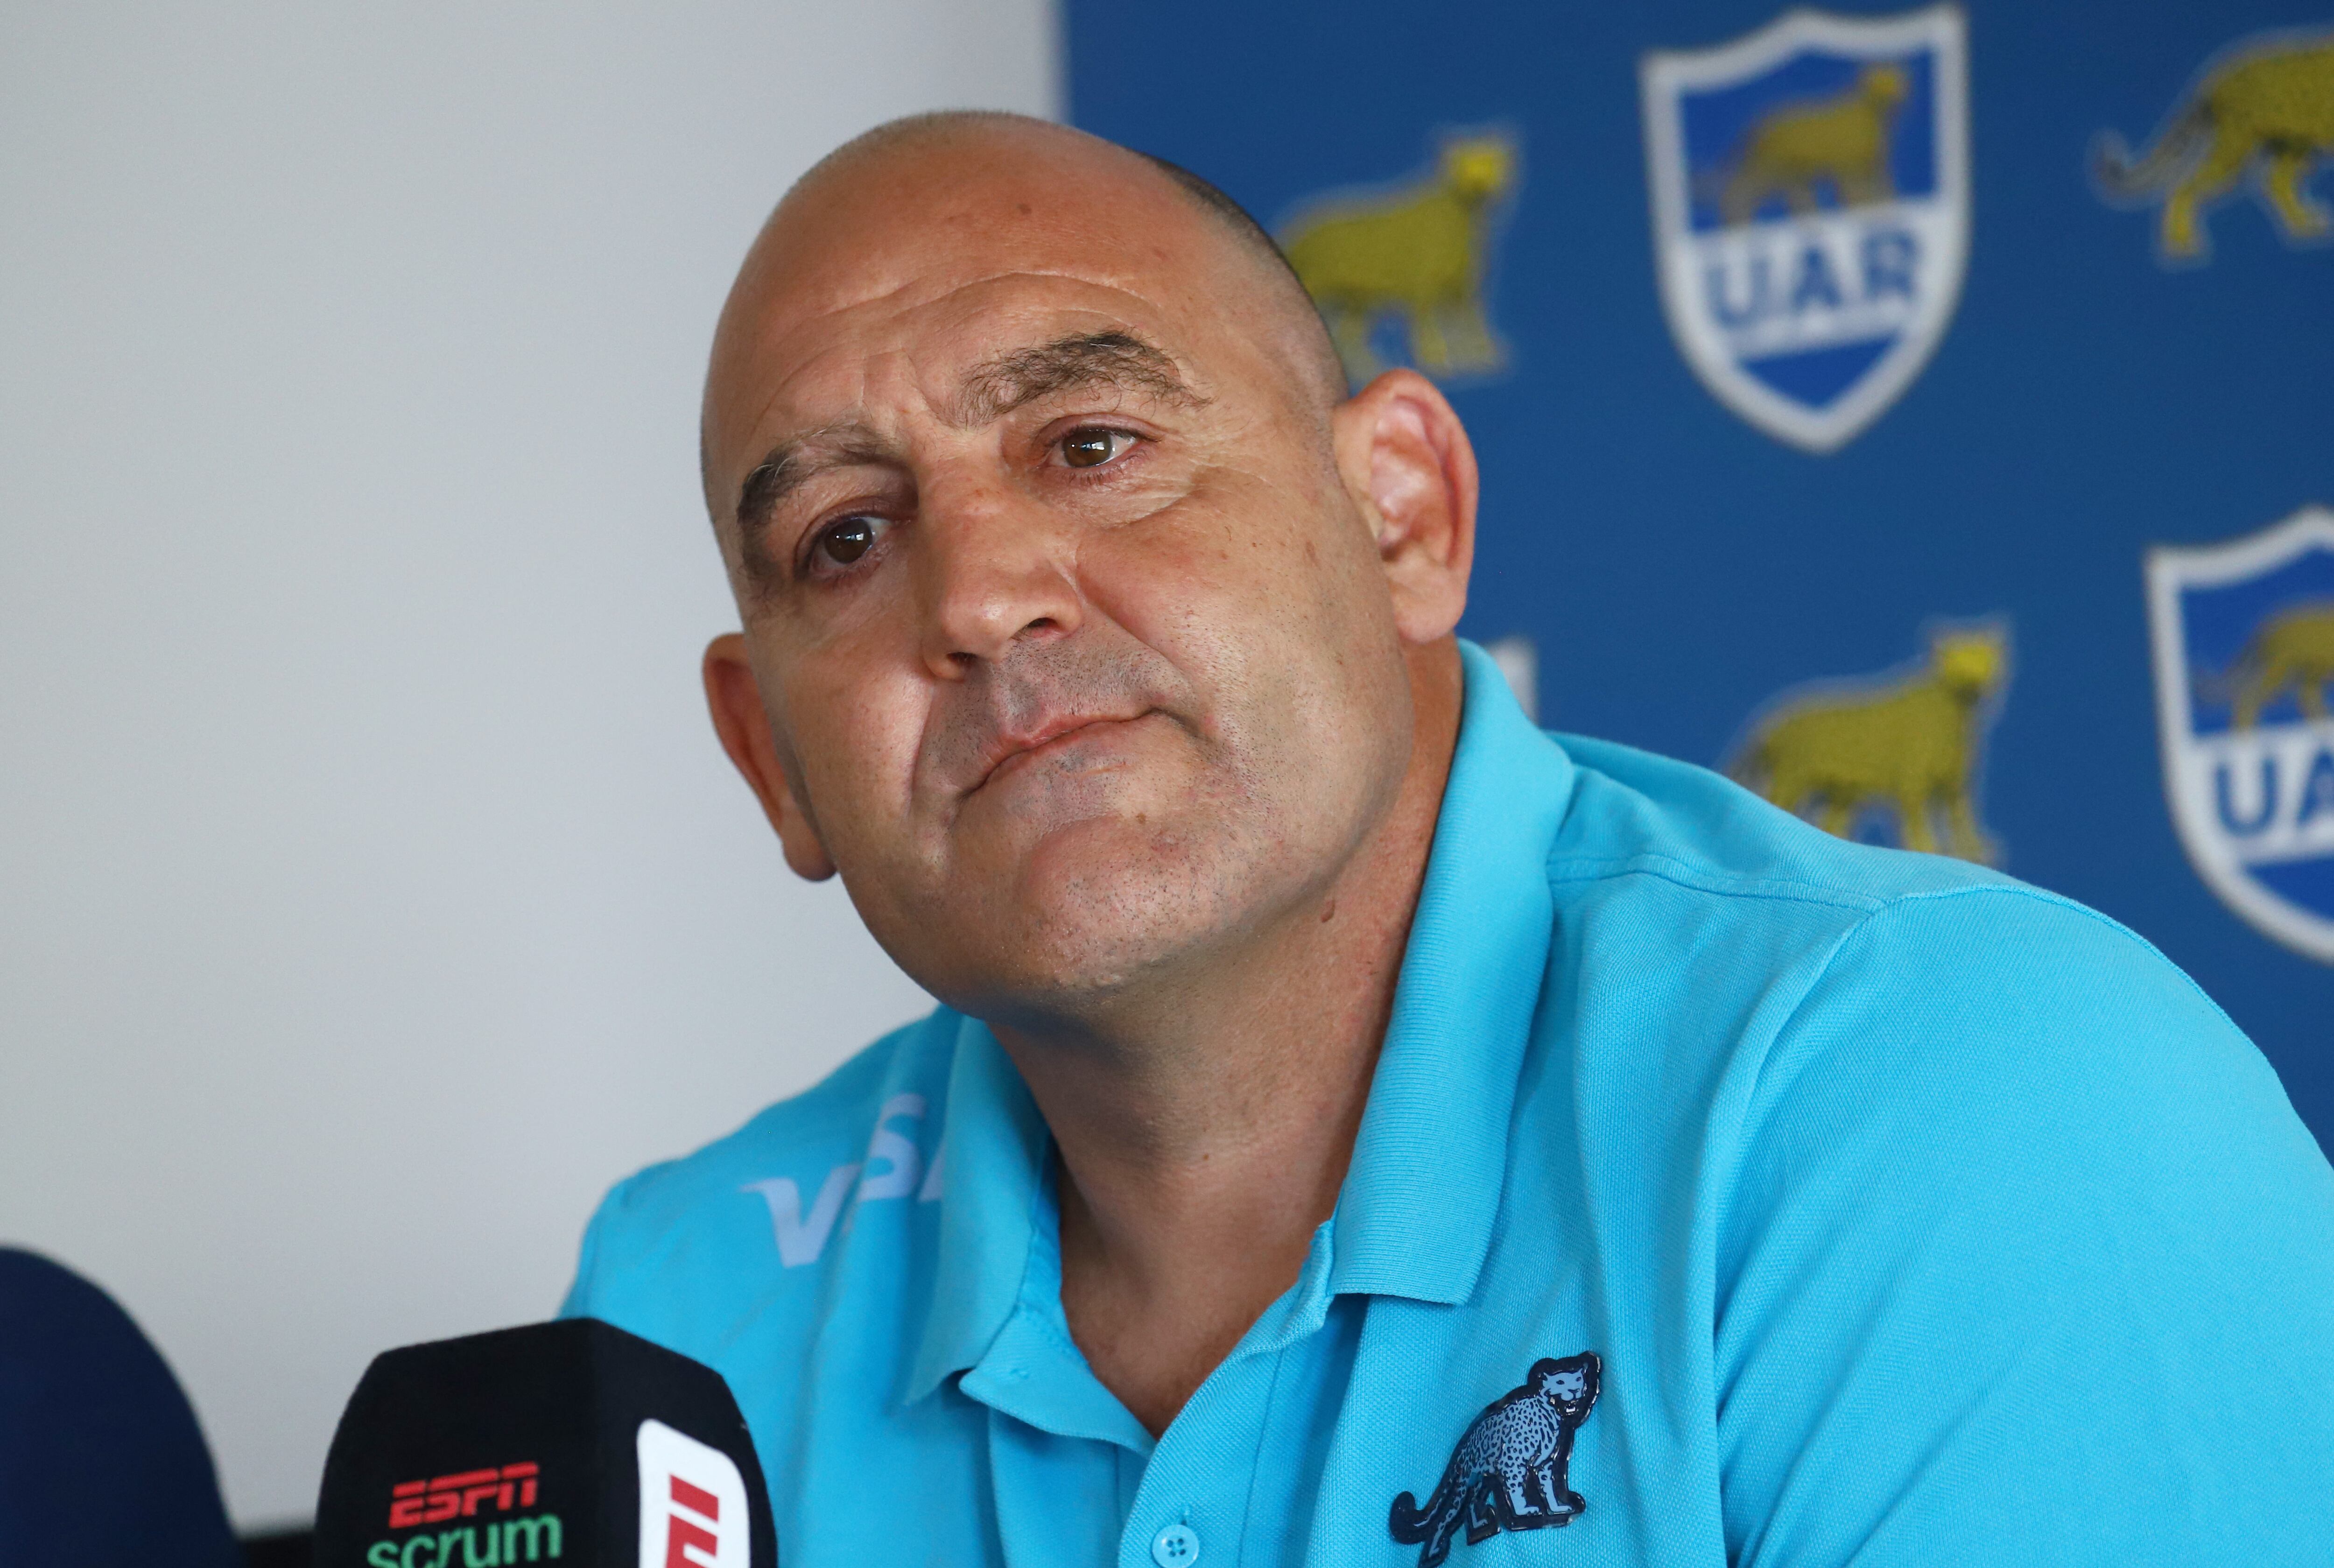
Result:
[570,1442]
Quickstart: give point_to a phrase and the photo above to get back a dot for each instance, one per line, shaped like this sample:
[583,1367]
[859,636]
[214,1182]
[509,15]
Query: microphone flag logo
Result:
[692,1503]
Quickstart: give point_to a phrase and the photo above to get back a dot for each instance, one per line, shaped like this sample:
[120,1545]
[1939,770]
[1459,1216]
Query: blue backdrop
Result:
[1677,568]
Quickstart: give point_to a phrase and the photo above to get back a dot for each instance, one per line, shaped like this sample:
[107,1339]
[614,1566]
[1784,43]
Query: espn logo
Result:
[684,1535]
[692,1504]
[458,1496]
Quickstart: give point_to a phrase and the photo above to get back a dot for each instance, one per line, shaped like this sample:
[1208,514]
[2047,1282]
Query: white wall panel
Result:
[372,889]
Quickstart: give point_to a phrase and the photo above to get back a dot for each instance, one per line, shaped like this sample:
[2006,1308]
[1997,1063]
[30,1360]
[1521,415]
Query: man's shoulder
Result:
[1635,814]
[834,1116]
[1660,857]
[770,1195]
[1819,995]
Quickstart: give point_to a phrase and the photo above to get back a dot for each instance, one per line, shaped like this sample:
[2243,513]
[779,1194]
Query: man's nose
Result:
[997,573]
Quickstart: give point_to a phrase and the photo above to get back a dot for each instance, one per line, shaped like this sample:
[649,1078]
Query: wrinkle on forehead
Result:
[941,346]
[890,313]
[1023,376]
[887,243]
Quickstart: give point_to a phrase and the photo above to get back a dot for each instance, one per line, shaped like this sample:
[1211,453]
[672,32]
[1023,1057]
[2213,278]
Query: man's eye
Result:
[1092,448]
[845,540]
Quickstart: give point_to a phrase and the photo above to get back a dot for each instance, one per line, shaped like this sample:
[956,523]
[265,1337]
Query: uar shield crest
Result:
[1810,195]
[2243,640]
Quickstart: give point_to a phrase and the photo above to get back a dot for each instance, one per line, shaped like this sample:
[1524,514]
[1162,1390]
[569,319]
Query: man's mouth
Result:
[1010,754]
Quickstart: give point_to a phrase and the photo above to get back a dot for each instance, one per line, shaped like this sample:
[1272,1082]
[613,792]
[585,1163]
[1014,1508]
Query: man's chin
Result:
[1101,904]
[1078,870]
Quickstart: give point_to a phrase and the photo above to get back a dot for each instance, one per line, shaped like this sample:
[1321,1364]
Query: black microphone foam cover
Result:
[569,1442]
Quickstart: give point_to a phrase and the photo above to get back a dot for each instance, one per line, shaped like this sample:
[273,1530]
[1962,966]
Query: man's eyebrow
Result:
[1117,359]
[794,462]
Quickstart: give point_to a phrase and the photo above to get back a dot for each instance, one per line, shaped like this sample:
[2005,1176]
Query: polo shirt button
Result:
[1177,1546]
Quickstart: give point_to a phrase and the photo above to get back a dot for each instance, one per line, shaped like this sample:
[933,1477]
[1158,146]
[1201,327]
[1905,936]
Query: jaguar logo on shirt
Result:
[1509,1469]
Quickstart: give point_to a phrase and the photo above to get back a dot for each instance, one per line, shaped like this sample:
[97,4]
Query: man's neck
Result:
[1202,1146]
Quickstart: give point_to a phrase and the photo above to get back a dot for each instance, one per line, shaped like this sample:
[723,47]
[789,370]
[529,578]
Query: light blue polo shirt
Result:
[1727,1194]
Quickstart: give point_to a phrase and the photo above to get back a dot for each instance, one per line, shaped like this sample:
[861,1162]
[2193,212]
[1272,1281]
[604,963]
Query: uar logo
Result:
[2243,636]
[2265,106]
[1810,198]
[1416,253]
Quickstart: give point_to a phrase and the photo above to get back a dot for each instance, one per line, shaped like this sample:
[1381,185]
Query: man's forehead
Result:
[960,353]
[889,278]
[924,229]
[1019,195]
[941,331]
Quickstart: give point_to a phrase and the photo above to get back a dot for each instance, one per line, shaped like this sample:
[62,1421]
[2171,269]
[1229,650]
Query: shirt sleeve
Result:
[2028,1260]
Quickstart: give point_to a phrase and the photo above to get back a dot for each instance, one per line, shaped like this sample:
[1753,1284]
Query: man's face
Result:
[1077,652]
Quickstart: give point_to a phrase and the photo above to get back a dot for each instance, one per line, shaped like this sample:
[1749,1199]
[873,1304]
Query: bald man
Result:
[1354,1119]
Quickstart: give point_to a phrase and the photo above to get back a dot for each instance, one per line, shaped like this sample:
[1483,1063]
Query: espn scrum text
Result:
[491,1542]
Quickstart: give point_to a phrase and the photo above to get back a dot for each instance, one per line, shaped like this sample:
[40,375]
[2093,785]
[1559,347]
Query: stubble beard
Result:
[1128,912]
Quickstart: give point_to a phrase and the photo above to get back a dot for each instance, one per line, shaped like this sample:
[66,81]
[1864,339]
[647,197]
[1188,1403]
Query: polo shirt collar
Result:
[994,1153]
[1419,1200]
[1431,1161]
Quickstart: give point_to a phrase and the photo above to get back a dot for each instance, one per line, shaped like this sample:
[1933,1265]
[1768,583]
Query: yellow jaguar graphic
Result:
[2293,651]
[1795,150]
[2271,104]
[1420,251]
[1911,745]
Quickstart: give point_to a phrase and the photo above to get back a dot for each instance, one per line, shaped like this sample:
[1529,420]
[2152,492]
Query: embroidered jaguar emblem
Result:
[1508,1472]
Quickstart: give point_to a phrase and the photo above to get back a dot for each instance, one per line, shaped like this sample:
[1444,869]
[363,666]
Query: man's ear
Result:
[1405,458]
[744,727]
